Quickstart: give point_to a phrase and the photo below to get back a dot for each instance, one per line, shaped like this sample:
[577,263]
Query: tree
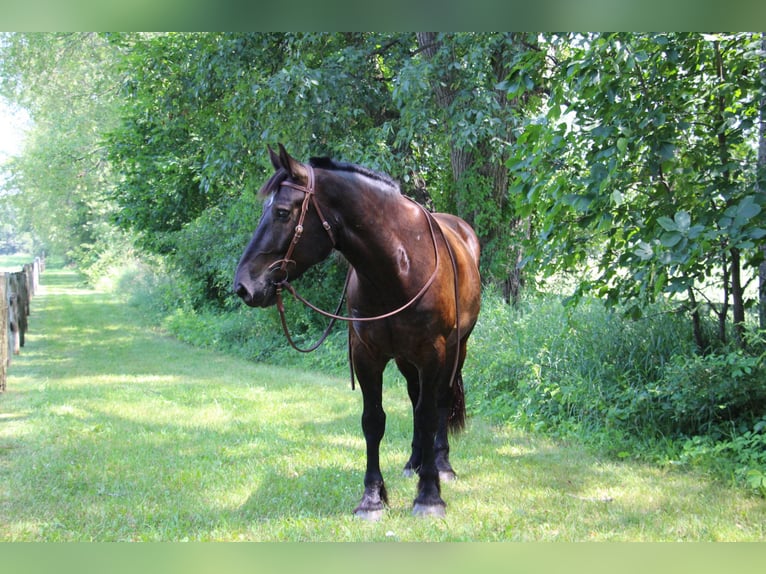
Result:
[66,83]
[642,169]
[762,182]
[198,110]
[479,86]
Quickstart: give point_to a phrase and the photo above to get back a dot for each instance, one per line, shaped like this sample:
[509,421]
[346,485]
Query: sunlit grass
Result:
[110,431]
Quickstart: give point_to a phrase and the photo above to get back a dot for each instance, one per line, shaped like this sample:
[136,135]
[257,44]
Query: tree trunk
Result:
[480,160]
[761,185]
[3,329]
[737,298]
[460,158]
[723,313]
[735,265]
[699,337]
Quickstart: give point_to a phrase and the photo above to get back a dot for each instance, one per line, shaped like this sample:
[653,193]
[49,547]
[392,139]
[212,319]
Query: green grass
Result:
[112,431]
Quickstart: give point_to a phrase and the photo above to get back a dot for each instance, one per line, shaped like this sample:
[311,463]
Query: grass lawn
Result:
[110,431]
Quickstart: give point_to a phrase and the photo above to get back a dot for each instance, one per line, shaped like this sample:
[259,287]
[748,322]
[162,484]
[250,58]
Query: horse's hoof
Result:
[436,510]
[408,473]
[369,515]
[447,476]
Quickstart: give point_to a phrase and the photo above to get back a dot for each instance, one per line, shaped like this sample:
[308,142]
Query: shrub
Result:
[544,365]
[741,456]
[699,394]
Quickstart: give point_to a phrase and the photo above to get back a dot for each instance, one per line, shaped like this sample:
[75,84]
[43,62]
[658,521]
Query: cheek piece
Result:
[280,266]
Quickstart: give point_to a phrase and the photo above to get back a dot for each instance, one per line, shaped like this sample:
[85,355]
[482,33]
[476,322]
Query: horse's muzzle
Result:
[253,297]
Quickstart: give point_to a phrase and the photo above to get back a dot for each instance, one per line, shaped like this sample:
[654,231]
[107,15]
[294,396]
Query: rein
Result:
[310,197]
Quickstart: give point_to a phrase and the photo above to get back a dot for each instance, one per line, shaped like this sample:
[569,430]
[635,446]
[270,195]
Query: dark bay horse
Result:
[413,275]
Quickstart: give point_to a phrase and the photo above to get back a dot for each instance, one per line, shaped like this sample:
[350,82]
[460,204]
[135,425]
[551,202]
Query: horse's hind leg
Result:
[370,375]
[441,444]
[441,447]
[428,501]
[410,373]
[451,408]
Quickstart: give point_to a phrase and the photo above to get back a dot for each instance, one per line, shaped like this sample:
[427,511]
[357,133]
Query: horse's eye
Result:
[282,214]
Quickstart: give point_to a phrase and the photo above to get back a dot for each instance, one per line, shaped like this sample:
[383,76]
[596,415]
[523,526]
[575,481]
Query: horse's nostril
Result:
[241,290]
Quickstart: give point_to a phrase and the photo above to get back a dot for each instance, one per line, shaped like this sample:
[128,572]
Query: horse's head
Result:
[291,236]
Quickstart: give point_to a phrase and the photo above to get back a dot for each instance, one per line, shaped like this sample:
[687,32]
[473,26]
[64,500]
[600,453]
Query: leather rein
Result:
[282,266]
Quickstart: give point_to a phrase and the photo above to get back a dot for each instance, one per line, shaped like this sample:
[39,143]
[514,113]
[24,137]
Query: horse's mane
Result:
[331,164]
[389,184]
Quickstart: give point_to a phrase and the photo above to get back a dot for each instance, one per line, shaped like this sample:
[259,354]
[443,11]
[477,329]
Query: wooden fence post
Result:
[4,329]
[16,290]
[19,307]
[36,274]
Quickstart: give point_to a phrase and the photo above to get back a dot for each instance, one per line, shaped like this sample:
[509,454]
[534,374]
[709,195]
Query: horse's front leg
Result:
[370,375]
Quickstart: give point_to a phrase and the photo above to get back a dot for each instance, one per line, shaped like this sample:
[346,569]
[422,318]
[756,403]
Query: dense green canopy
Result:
[629,161]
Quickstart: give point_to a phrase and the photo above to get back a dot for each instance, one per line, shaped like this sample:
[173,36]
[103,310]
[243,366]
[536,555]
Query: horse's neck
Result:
[384,241]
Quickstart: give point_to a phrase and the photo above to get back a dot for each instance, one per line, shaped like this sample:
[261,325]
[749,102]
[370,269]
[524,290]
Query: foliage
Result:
[480,87]
[633,388]
[642,166]
[57,185]
[741,455]
[197,111]
[629,154]
[11,241]
[198,108]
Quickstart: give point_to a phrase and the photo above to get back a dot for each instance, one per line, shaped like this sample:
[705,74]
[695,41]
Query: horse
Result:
[413,294]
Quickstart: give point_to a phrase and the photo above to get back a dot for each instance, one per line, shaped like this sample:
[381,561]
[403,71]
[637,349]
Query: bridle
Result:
[282,265]
[308,197]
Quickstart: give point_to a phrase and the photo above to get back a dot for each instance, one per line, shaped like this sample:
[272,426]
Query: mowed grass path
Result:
[110,431]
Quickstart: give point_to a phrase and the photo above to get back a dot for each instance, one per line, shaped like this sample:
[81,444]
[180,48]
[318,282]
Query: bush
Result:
[626,387]
[700,394]
[741,456]
[544,365]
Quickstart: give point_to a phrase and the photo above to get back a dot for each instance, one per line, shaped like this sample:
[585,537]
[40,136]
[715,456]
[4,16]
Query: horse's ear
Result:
[294,168]
[275,160]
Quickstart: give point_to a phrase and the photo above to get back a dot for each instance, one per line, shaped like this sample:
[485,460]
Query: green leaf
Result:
[683,221]
[667,150]
[667,223]
[747,209]
[622,144]
[644,251]
[578,202]
[670,239]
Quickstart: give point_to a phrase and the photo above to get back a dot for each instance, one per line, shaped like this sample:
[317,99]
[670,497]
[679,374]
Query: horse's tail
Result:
[456,417]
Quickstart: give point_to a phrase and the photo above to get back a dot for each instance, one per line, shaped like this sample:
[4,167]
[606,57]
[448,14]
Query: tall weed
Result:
[627,387]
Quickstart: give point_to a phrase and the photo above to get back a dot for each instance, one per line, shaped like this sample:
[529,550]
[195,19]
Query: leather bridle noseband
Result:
[281,265]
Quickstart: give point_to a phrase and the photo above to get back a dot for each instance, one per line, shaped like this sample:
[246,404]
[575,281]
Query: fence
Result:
[16,292]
